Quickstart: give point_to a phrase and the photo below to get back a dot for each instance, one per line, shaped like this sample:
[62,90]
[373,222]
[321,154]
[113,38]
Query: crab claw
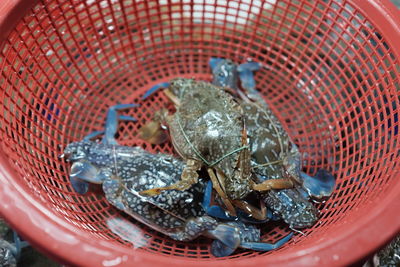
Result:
[227,240]
[291,206]
[79,172]
[246,76]
[79,186]
[224,72]
[219,249]
[250,239]
[218,212]
[83,173]
[320,186]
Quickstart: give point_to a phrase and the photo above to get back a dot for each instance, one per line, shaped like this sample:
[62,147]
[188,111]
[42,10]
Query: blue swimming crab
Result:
[208,130]
[124,171]
[274,157]
[273,154]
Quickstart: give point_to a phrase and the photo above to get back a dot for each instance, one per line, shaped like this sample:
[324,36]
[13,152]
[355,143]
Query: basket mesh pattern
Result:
[329,76]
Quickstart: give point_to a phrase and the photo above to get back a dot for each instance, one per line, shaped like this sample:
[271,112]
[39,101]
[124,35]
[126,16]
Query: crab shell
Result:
[207,126]
[131,170]
[270,143]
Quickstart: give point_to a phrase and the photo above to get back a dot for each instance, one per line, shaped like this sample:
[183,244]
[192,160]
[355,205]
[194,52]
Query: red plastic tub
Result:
[331,75]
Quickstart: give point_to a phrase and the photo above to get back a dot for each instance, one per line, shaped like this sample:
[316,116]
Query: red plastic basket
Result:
[331,76]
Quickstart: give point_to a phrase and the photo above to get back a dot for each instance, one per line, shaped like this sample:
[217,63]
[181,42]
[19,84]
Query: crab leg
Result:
[250,239]
[112,119]
[196,226]
[257,214]
[172,97]
[217,186]
[262,246]
[214,210]
[242,173]
[188,178]
[270,184]
[93,135]
[154,89]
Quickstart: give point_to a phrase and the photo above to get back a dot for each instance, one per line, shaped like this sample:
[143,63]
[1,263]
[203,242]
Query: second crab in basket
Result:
[208,130]
[273,154]
[274,158]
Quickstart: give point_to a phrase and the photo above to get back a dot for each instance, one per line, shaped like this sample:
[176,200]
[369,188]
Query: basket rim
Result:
[49,233]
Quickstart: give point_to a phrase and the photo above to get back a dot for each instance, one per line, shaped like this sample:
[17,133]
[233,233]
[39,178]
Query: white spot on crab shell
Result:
[164,175]
[189,200]
[212,133]
[142,181]
[160,183]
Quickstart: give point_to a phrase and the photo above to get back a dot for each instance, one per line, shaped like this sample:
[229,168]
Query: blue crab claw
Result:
[246,76]
[85,171]
[81,174]
[154,89]
[79,186]
[214,61]
[112,119]
[261,246]
[224,73]
[214,211]
[227,238]
[320,186]
[218,249]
